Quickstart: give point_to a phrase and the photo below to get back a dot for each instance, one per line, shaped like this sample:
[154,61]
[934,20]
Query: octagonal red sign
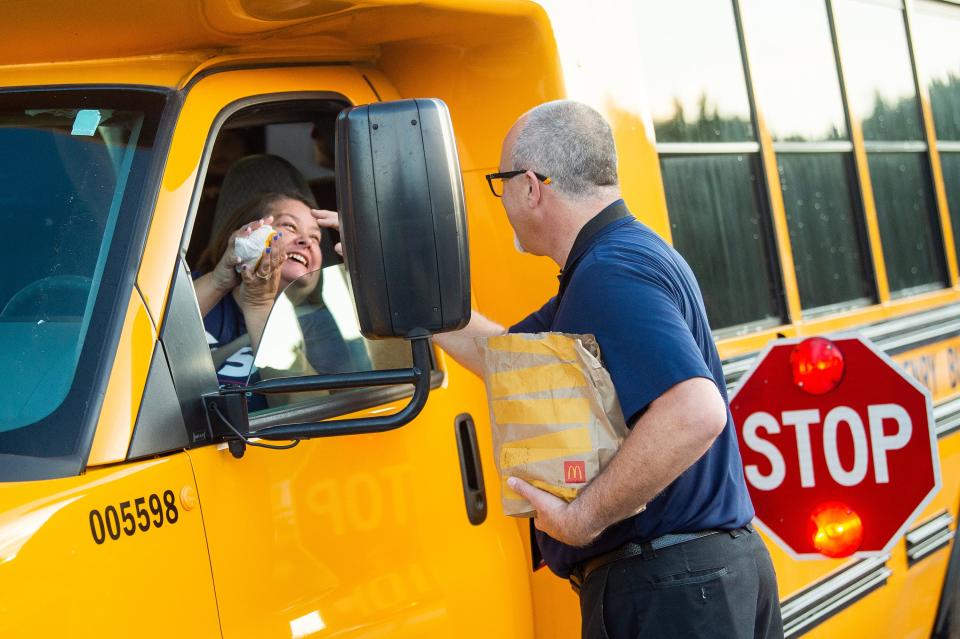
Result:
[838,444]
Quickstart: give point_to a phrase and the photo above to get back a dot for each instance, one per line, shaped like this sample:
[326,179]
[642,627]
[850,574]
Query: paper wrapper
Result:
[250,248]
[555,414]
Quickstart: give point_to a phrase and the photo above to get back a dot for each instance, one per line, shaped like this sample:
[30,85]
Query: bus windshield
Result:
[73,167]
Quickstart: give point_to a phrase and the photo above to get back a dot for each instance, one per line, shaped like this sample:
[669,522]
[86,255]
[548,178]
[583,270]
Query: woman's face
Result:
[300,239]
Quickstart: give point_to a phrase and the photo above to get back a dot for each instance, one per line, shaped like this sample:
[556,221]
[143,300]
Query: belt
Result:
[631,549]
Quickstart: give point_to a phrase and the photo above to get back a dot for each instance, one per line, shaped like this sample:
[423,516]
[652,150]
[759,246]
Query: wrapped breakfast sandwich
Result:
[250,248]
[555,415]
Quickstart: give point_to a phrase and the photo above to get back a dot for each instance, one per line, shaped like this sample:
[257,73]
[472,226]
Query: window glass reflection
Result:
[794,70]
[937,41]
[824,229]
[696,81]
[950,162]
[879,75]
[905,212]
[717,226]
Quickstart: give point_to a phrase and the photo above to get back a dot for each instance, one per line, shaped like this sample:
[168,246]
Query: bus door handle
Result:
[471,472]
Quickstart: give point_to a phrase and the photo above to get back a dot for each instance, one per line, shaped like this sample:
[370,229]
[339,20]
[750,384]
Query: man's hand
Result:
[562,521]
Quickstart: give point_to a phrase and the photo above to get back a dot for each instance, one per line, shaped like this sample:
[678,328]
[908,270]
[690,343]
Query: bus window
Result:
[798,92]
[936,33]
[709,158]
[883,97]
[279,155]
[74,169]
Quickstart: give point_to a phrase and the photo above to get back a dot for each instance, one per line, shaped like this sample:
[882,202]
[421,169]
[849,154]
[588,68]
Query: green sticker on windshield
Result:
[86,122]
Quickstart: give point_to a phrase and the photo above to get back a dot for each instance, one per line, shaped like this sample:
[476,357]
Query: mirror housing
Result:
[403,218]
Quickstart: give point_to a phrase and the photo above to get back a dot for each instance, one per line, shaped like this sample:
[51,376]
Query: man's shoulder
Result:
[631,242]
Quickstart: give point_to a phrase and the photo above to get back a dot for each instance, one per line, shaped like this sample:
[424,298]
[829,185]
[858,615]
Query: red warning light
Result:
[836,529]
[817,365]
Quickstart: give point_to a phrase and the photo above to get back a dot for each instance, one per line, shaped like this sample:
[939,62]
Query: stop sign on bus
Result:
[838,446]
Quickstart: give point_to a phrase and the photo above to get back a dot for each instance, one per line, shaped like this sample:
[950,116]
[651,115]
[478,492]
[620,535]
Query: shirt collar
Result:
[612,213]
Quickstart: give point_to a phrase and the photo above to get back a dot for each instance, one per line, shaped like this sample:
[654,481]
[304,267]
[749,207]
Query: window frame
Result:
[334,405]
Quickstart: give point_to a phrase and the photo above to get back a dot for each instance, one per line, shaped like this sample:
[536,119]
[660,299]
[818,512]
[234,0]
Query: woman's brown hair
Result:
[257,208]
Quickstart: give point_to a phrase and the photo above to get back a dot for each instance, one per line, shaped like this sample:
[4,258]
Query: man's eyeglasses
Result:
[496,180]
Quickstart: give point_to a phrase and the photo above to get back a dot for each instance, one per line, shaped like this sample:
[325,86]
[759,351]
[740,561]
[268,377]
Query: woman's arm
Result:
[211,289]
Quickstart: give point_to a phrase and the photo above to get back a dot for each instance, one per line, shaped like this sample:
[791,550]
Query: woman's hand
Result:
[258,290]
[225,275]
[329,220]
[259,285]
[213,286]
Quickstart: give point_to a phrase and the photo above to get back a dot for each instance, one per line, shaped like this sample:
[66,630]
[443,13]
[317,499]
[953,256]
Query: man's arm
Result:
[674,432]
[460,345]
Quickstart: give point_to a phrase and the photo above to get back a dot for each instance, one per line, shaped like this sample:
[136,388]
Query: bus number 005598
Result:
[143,513]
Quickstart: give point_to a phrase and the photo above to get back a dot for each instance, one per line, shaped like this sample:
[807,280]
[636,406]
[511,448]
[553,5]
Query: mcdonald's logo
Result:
[575,472]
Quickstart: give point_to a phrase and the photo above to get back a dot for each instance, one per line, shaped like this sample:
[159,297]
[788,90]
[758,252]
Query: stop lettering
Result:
[838,446]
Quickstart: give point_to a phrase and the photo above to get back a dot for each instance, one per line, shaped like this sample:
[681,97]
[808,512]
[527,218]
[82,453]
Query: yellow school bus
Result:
[804,156]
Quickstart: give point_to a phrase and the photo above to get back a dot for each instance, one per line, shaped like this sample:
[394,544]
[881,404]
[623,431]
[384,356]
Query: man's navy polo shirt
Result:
[623,284]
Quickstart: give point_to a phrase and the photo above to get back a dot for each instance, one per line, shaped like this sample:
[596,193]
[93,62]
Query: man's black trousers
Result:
[722,585]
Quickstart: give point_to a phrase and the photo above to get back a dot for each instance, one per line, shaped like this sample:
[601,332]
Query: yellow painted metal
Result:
[125,389]
[778,212]
[366,533]
[56,581]
[930,135]
[557,606]
[167,70]
[45,32]
[936,366]
[754,341]
[615,86]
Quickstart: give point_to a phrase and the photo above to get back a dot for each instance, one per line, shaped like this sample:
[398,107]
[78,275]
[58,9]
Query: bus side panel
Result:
[364,535]
[115,552]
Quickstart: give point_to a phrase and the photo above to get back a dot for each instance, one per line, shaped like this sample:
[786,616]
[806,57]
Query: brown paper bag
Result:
[555,415]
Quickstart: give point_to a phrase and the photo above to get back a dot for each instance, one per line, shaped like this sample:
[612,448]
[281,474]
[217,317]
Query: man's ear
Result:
[534,192]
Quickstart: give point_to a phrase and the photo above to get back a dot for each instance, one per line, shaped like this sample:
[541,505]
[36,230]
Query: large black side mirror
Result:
[403,218]
[404,233]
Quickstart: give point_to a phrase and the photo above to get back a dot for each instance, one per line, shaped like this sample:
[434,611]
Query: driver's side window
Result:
[275,163]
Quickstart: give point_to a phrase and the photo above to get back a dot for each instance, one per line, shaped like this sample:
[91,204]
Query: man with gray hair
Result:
[690,563]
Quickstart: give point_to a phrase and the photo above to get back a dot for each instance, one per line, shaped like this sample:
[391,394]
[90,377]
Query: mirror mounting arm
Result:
[419,375]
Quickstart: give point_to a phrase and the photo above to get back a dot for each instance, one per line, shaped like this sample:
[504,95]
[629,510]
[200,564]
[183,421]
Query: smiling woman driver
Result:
[235,303]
